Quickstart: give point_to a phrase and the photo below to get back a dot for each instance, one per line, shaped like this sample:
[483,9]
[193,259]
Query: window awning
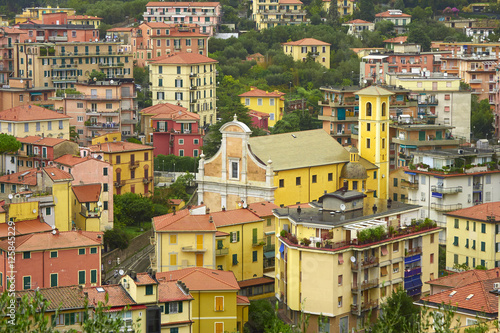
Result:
[384,250]
[35,93]
[268,254]
[267,233]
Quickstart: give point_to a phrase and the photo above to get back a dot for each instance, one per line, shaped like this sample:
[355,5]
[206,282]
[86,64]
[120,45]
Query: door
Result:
[199,259]
[421,135]
[109,93]
[439,135]
[199,242]
[93,93]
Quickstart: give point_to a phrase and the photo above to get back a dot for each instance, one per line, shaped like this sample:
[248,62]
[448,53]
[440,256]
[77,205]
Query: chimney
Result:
[299,210]
[223,208]
[211,219]
[133,275]
[173,208]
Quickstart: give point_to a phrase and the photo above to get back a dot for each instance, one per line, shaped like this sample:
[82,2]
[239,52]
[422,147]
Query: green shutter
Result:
[231,237]
[254,236]
[238,236]
[81,277]
[180,307]
[158,126]
[53,320]
[53,280]
[66,319]
[167,308]
[93,276]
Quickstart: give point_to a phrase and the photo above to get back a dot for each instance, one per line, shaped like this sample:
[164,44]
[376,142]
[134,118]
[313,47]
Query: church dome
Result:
[353,170]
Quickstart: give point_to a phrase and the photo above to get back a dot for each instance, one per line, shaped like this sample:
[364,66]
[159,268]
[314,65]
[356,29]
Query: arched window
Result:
[368,109]
[383,109]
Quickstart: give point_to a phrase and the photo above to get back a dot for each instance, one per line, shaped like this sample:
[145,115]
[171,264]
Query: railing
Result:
[222,252]
[258,242]
[356,309]
[58,38]
[477,187]
[365,285]
[133,164]
[414,271]
[119,64]
[147,180]
[445,208]
[92,213]
[268,247]
[412,183]
[119,183]
[413,251]
[91,112]
[190,248]
[446,190]
[369,262]
[103,125]
[192,88]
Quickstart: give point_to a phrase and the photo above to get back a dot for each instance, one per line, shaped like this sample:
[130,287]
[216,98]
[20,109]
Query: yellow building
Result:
[132,164]
[35,13]
[364,247]
[108,137]
[90,211]
[373,128]
[185,79]
[216,307]
[301,50]
[31,120]
[272,103]
[344,7]
[273,13]
[85,20]
[469,236]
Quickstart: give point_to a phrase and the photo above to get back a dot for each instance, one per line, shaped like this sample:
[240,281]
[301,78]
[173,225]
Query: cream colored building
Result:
[185,79]
[273,13]
[300,50]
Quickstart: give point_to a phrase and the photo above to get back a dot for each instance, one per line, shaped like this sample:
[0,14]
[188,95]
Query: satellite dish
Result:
[99,204]
[54,232]
[245,205]
[342,207]
[111,81]
[34,211]
[53,227]
[353,259]
[10,196]
[121,272]
[239,204]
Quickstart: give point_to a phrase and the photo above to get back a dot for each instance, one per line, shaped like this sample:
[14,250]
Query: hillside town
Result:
[279,166]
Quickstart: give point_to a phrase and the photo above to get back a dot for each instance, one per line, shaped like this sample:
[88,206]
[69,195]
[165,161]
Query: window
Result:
[235,259]
[254,256]
[178,69]
[247,101]
[81,251]
[26,255]
[483,228]
[53,280]
[367,143]
[395,182]
[81,277]
[432,238]
[181,152]
[234,169]
[456,223]
[339,301]
[483,246]
[374,174]
[53,254]
[235,236]
[149,290]
[368,109]
[93,250]
[181,141]
[173,259]
[395,247]
[219,327]
[297,181]
[26,127]
[105,187]
[330,177]
[314,179]
[431,259]
[455,241]
[259,101]
[447,97]
[383,271]
[105,171]
[281,183]
[93,276]
[368,127]
[26,282]
[340,278]
[473,244]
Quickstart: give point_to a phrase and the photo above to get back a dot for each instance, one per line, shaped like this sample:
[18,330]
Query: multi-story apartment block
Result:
[85,20]
[61,65]
[467,48]
[33,120]
[100,107]
[206,15]
[21,91]
[300,50]
[356,27]
[172,130]
[154,39]
[396,16]
[123,35]
[55,259]
[132,165]
[447,180]
[478,70]
[8,36]
[268,102]
[272,13]
[469,238]
[185,79]
[330,242]
[36,13]
[344,7]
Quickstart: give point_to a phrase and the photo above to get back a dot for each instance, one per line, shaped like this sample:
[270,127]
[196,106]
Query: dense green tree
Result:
[366,10]
[96,76]
[132,209]
[419,36]
[141,76]
[385,27]
[116,238]
[398,314]
[333,17]
[482,118]
[178,188]
[8,144]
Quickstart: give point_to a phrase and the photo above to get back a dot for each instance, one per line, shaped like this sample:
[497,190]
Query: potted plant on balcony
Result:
[306,241]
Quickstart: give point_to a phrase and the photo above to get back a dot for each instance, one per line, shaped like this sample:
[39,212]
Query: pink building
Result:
[88,170]
[154,39]
[8,36]
[55,27]
[54,259]
[172,130]
[259,119]
[205,14]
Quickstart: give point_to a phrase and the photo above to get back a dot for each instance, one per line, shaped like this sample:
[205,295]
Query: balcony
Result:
[445,208]
[475,81]
[357,309]
[192,88]
[431,141]
[413,271]
[111,65]
[103,126]
[94,112]
[411,184]
[365,285]
[133,165]
[222,252]
[258,242]
[147,180]
[193,75]
[190,248]
[91,213]
[119,183]
[268,248]
[365,263]
[477,187]
[446,190]
[193,101]
[428,102]
[58,38]
[413,251]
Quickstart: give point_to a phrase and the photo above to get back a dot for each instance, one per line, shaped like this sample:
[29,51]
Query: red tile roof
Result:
[291,2]
[464,278]
[117,295]
[258,114]
[242,300]
[358,21]
[254,92]
[170,112]
[62,298]
[234,216]
[25,227]
[170,291]
[30,113]
[118,147]
[57,174]
[473,297]
[182,58]
[397,40]
[387,14]
[87,193]
[263,208]
[176,202]
[200,278]
[182,4]
[143,279]
[183,221]
[307,41]
[479,212]
[70,160]
[26,178]
[255,282]
[49,241]
[42,141]
[221,234]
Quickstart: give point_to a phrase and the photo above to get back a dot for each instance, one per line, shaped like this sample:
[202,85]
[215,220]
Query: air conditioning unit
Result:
[496,285]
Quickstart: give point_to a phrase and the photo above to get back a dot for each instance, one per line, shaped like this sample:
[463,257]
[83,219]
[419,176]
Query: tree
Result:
[97,76]
[8,144]
[419,36]
[116,238]
[333,16]
[101,320]
[260,314]
[73,134]
[482,118]
[132,209]
[178,188]
[366,10]
[398,314]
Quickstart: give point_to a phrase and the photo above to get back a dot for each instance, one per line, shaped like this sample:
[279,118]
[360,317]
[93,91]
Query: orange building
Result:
[20,91]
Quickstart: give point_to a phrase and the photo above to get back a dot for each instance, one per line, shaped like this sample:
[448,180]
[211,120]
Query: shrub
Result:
[283,233]
[306,241]
[292,238]
[116,238]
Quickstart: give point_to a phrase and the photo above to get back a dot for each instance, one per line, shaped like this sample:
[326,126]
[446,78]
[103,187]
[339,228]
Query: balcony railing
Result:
[258,242]
[414,271]
[147,180]
[103,125]
[477,187]
[119,183]
[191,248]
[133,164]
[413,251]
[365,263]
[365,285]
[91,213]
[222,252]
[445,208]
[357,309]
[412,183]
[446,190]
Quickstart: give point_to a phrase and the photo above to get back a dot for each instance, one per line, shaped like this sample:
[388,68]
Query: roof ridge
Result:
[215,278]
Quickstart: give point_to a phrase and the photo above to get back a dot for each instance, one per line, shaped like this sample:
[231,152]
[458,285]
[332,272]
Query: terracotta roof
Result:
[479,212]
[307,41]
[170,112]
[255,55]
[374,91]
[96,236]
[163,107]
[83,17]
[255,282]
[263,208]
[183,221]
[258,114]
[26,178]
[200,278]
[387,14]
[57,174]
[30,113]
[242,300]
[182,4]
[221,234]
[464,278]
[87,193]
[358,21]
[63,298]
[49,241]
[234,216]
[143,279]
[397,40]
[129,29]
[254,92]
[175,201]
[117,295]
[182,58]
[70,160]
[170,291]
[42,141]
[25,227]
[118,147]
[473,297]
[291,2]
